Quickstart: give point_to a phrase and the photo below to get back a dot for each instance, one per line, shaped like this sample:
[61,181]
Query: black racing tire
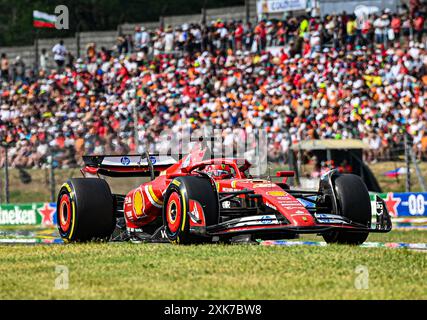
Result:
[176,219]
[85,210]
[354,203]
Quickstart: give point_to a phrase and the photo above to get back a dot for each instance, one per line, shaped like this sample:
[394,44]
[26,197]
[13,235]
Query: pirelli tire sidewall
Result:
[199,189]
[177,190]
[85,210]
[353,203]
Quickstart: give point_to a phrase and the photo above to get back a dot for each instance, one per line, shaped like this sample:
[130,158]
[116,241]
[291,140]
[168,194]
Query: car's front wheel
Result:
[176,208]
[354,203]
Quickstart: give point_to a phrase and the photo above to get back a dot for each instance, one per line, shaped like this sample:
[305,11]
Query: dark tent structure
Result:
[349,150]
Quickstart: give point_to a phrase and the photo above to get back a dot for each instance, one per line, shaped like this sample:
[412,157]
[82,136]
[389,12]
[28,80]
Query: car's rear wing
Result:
[145,165]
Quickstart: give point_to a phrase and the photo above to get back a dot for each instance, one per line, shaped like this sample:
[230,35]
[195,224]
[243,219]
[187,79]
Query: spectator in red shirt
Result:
[238,36]
[261,36]
[418,24]
[396,24]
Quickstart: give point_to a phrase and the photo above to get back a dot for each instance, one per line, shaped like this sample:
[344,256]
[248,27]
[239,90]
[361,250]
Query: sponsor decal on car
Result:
[67,186]
[128,207]
[263,185]
[125,161]
[226,204]
[380,208]
[176,182]
[153,159]
[268,204]
[256,220]
[267,220]
[196,212]
[128,214]
[332,221]
[276,193]
[229,190]
[138,203]
[329,218]
[298,212]
[286,197]
[290,204]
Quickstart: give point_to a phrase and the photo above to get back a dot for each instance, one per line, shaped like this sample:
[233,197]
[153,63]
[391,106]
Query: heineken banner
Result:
[28,214]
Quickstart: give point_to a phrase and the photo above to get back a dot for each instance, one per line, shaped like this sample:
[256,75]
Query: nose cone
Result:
[274,197]
[288,206]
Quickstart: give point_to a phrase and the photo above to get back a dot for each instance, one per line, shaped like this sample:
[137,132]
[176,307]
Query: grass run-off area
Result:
[163,271]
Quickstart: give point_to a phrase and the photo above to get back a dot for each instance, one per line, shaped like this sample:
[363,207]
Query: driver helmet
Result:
[219,171]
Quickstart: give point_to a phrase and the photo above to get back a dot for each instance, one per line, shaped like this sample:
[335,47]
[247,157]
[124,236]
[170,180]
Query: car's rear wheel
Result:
[85,210]
[176,208]
[353,203]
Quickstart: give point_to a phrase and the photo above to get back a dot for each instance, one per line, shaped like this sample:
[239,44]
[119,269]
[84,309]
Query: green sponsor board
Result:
[27,214]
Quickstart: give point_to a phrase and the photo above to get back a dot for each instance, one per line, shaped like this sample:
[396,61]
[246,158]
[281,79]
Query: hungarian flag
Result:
[43,20]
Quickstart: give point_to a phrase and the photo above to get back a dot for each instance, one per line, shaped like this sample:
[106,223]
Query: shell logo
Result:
[138,203]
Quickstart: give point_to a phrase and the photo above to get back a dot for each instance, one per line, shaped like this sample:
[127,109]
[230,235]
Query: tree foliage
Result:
[89,15]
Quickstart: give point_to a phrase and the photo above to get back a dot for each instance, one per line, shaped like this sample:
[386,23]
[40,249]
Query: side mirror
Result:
[286,173]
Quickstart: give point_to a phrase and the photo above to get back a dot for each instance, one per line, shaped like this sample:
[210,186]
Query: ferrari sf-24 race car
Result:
[198,199]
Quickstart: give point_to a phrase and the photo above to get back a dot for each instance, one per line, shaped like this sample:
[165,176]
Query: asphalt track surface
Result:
[50,236]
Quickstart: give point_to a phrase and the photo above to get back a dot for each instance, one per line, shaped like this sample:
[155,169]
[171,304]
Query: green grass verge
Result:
[161,271]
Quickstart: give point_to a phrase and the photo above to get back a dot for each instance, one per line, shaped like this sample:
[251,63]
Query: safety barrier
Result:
[404,204]
[28,214]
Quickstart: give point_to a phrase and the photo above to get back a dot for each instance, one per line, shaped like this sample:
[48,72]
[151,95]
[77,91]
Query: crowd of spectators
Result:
[299,78]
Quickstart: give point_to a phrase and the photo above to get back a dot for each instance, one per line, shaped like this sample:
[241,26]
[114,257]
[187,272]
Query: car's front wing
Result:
[276,223]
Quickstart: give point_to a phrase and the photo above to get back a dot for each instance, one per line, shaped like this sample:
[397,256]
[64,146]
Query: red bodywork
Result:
[152,192]
[144,204]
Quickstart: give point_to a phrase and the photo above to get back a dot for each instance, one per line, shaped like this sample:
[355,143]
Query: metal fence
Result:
[42,184]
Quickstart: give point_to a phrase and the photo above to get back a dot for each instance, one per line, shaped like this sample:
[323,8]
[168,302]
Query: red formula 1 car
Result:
[197,199]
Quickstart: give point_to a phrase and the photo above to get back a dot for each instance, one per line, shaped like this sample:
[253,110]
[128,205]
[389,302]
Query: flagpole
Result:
[36,41]
[408,145]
